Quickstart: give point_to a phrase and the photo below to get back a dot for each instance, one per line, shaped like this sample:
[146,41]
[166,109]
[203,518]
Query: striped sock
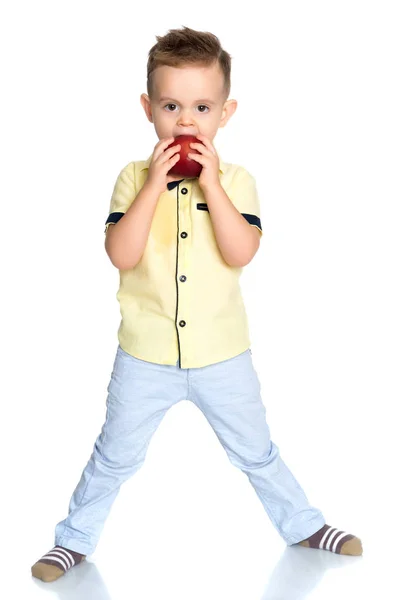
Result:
[55,563]
[334,540]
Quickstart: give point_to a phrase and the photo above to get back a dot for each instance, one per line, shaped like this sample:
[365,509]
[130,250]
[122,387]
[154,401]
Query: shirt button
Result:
[184,191]
[182,278]
[182,323]
[183,234]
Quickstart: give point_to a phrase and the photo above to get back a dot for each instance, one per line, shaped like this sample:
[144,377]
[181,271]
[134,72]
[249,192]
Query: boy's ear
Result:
[145,102]
[228,109]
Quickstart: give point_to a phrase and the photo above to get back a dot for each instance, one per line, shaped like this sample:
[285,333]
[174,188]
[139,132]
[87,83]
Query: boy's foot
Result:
[55,563]
[334,540]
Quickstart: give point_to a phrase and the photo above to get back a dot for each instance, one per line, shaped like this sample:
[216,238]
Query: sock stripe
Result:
[330,540]
[333,540]
[342,535]
[52,559]
[67,554]
[64,555]
[321,544]
[62,558]
[58,557]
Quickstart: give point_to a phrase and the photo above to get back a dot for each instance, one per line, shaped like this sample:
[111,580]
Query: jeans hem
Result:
[310,528]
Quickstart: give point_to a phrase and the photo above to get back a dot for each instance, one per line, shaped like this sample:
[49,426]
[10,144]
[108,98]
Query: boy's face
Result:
[188,100]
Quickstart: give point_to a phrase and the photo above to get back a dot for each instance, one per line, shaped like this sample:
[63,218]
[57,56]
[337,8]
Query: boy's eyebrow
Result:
[164,98]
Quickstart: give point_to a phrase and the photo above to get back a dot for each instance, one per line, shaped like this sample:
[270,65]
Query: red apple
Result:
[185,166]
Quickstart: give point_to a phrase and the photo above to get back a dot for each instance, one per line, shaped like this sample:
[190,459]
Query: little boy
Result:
[180,245]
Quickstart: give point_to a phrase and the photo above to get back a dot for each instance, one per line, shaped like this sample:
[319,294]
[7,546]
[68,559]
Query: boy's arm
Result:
[126,240]
[237,240]
[236,218]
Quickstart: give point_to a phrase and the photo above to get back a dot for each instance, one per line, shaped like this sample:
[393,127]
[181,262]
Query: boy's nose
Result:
[185,120]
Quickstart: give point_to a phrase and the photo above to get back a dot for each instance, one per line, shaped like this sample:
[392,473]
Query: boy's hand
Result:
[208,158]
[162,161]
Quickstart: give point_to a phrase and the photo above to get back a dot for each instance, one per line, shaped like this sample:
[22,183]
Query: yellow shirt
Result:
[182,300]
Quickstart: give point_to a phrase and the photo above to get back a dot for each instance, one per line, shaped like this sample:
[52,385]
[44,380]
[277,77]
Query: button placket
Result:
[183,253]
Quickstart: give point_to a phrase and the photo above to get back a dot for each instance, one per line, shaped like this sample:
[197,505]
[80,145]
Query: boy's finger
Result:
[206,142]
[168,154]
[168,141]
[159,147]
[163,143]
[198,157]
[201,147]
[173,149]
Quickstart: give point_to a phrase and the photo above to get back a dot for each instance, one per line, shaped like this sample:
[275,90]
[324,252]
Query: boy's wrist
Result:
[209,189]
[152,188]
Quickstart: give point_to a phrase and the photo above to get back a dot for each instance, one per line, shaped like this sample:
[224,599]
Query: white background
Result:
[317,85]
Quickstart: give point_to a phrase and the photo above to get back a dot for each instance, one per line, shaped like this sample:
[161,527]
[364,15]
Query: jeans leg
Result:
[139,395]
[228,393]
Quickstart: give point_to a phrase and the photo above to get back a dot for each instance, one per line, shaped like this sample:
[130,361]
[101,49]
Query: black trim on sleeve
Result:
[114,217]
[252,219]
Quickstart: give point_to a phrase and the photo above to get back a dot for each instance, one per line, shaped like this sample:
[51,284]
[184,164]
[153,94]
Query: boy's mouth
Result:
[185,133]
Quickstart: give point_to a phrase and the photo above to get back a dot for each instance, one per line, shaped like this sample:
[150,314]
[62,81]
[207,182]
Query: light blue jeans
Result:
[139,395]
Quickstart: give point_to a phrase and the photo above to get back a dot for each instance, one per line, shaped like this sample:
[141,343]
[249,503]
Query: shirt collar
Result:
[222,165]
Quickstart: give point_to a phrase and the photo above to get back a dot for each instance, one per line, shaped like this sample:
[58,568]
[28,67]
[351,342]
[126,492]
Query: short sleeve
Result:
[244,196]
[123,195]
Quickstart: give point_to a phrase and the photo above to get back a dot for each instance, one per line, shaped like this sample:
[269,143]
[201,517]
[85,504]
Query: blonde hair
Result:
[184,46]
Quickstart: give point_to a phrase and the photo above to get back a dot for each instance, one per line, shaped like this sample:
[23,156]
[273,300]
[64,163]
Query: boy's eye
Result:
[203,106]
